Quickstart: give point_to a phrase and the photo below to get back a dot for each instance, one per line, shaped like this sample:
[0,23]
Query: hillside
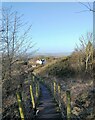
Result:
[80,85]
[65,72]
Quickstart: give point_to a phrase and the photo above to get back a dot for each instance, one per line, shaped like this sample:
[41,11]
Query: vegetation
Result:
[17,70]
[76,73]
[15,43]
[61,68]
[79,63]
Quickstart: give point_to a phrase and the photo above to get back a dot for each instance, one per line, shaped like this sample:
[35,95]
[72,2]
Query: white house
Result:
[41,62]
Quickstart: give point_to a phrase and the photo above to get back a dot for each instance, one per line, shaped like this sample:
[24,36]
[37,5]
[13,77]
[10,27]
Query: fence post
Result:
[20,106]
[59,93]
[68,96]
[59,90]
[32,96]
[54,89]
[33,78]
[37,89]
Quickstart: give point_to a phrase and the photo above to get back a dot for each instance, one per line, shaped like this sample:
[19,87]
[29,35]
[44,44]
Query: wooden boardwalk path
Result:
[48,108]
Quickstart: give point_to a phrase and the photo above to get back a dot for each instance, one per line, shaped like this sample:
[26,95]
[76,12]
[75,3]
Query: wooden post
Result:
[59,90]
[59,95]
[37,89]
[54,88]
[33,78]
[20,106]
[32,96]
[68,104]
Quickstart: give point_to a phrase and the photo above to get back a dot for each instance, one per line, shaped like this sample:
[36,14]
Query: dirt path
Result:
[48,108]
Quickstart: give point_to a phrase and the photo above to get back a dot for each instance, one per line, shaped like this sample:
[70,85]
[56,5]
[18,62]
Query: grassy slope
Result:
[81,89]
[82,94]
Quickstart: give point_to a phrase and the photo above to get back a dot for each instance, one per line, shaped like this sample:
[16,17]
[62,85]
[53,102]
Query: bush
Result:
[61,68]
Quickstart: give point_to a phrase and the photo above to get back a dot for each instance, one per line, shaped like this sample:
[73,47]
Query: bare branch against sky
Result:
[87,6]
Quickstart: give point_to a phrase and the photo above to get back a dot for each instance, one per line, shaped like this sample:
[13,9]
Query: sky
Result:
[56,27]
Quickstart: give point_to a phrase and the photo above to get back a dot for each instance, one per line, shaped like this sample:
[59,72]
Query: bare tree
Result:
[16,40]
[86,49]
[88,8]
